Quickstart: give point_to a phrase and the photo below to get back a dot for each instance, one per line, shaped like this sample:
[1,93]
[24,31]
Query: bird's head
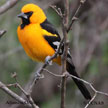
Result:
[32,13]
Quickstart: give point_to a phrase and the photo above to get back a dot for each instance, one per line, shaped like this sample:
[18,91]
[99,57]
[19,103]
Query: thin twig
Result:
[75,15]
[91,100]
[14,95]
[30,100]
[58,11]
[19,86]
[9,4]
[56,75]
[84,81]
[91,86]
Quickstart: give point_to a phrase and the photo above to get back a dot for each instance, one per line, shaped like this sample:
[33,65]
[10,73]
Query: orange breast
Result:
[34,43]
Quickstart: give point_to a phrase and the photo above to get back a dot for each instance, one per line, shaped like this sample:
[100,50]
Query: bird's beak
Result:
[22,15]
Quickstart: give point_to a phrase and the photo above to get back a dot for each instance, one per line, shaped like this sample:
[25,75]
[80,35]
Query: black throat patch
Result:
[26,21]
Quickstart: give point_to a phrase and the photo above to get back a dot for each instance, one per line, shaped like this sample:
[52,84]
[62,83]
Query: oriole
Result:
[40,39]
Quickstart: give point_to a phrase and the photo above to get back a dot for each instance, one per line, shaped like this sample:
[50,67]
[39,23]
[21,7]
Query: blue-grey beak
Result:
[22,15]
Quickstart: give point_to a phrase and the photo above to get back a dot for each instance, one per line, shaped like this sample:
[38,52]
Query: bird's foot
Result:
[48,61]
[38,76]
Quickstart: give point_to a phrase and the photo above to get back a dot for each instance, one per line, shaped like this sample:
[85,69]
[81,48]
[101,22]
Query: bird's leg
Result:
[48,61]
[38,74]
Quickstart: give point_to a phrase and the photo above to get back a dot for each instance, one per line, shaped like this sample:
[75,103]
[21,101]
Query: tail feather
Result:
[80,84]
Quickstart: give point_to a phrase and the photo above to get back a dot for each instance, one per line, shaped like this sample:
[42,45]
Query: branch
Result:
[75,15]
[96,92]
[30,100]
[65,35]
[25,93]
[92,99]
[91,86]
[13,95]
[57,10]
[9,4]
[56,75]
[84,81]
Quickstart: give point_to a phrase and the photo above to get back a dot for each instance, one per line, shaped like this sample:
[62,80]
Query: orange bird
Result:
[40,39]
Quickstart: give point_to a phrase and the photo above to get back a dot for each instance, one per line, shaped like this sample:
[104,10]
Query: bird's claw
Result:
[38,76]
[48,61]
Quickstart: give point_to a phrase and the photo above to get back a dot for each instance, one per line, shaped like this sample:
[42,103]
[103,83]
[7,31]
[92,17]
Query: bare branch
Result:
[84,81]
[64,30]
[74,18]
[56,75]
[13,95]
[17,85]
[30,100]
[9,4]
[91,86]
[91,100]
[57,10]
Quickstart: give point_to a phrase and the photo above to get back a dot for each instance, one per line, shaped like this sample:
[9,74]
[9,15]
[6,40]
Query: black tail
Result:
[80,84]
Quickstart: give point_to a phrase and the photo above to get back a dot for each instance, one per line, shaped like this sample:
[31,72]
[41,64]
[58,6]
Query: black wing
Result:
[54,41]
[49,27]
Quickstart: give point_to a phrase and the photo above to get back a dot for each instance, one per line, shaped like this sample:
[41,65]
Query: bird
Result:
[40,39]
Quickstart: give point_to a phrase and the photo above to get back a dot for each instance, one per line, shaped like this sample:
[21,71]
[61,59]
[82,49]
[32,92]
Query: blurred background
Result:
[89,48]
